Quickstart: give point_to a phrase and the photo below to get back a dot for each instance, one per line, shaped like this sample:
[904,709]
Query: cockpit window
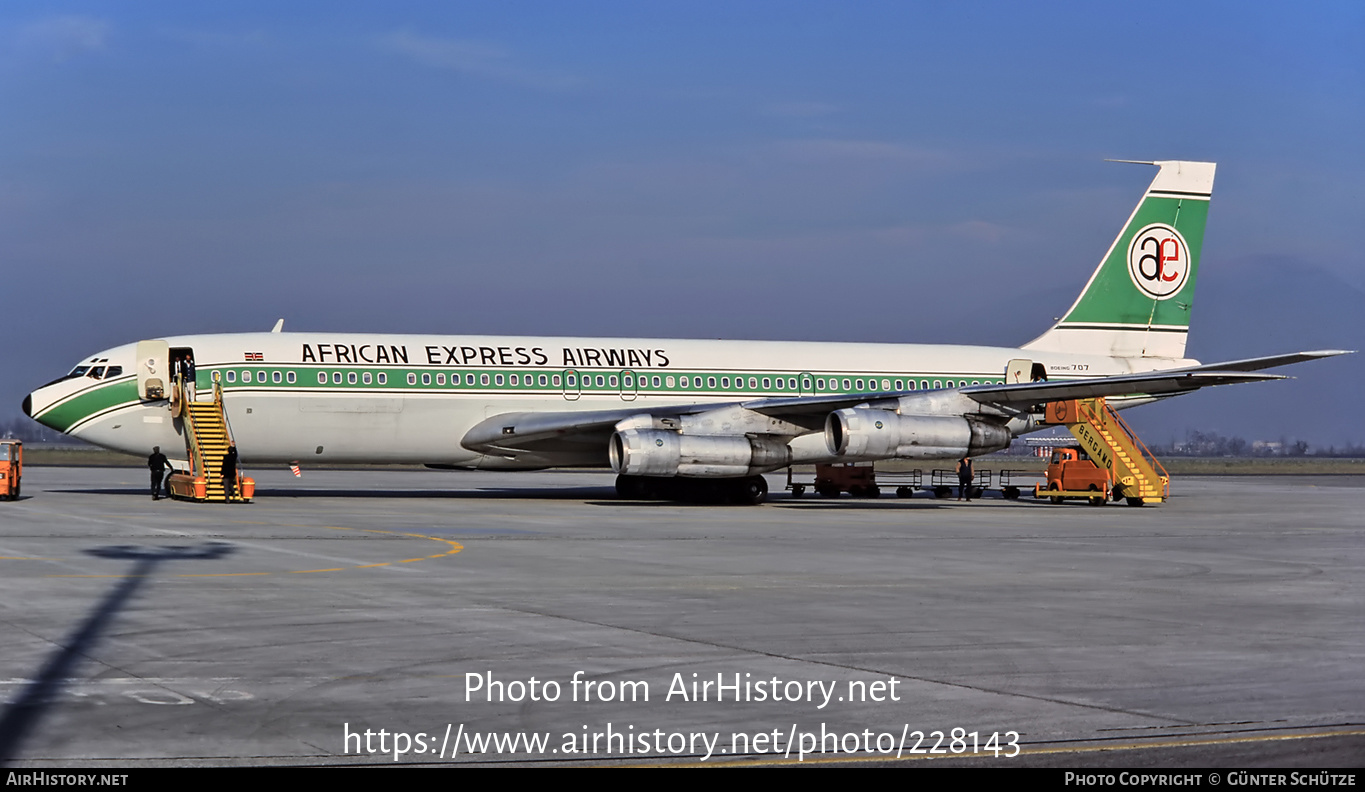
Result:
[91,371]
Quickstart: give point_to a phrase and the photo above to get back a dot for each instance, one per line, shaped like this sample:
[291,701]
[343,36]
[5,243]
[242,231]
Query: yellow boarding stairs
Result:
[1136,474]
[207,437]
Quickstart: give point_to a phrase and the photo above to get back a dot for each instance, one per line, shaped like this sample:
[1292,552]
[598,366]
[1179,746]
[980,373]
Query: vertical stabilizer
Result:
[1137,303]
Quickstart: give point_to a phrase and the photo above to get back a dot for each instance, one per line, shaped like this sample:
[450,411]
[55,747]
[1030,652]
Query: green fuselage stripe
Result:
[712,383]
[555,382]
[101,398]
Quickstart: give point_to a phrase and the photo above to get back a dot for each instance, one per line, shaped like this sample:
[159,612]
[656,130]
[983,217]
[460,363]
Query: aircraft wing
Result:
[1151,383]
[538,432]
[570,430]
[813,409]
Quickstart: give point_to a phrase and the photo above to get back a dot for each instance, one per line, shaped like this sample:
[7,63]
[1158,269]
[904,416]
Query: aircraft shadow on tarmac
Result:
[207,551]
[596,496]
[574,493]
[898,504]
[21,717]
[843,505]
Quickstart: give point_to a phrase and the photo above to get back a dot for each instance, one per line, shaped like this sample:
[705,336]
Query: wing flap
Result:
[537,431]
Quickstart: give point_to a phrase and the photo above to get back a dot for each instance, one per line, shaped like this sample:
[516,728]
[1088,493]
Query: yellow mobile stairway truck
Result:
[207,438]
[1133,473]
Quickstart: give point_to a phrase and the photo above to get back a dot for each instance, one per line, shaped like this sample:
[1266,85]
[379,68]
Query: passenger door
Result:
[153,370]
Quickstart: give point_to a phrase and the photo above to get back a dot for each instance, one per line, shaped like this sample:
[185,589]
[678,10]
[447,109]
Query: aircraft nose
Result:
[28,405]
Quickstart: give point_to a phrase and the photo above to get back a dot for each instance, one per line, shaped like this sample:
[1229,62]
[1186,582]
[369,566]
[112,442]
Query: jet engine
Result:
[864,433]
[660,452]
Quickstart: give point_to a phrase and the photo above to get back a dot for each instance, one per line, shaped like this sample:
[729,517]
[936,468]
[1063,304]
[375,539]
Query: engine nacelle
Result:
[868,434]
[660,452]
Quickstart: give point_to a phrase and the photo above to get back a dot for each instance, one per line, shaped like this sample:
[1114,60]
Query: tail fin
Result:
[1137,303]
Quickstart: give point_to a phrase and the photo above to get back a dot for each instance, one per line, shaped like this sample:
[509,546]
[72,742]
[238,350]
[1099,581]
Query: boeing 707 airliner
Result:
[723,411]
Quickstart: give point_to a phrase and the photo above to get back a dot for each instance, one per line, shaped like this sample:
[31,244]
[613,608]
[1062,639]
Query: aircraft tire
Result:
[749,491]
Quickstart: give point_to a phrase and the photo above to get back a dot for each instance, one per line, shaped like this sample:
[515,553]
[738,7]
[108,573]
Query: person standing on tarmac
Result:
[230,473]
[965,477]
[158,464]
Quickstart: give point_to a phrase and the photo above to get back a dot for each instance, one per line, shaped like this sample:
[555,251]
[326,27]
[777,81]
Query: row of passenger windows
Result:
[260,376]
[575,380]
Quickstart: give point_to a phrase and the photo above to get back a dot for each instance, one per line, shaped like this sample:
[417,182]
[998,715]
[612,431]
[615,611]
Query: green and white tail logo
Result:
[1159,261]
[1137,303]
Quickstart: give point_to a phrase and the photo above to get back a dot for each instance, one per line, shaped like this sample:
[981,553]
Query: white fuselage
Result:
[326,397]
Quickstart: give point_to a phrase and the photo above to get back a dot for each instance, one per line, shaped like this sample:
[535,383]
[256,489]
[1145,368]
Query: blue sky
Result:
[840,171]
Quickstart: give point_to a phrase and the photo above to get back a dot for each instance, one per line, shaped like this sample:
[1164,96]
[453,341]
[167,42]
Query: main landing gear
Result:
[748,491]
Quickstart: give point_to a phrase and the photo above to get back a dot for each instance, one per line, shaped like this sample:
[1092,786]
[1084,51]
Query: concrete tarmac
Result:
[412,617]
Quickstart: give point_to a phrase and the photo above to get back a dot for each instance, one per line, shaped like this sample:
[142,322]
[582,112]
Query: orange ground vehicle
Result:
[832,480]
[860,481]
[1072,474]
[11,468]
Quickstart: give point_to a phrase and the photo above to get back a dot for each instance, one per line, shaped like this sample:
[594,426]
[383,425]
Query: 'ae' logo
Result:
[1159,261]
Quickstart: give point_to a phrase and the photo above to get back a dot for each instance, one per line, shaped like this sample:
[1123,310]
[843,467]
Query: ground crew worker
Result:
[965,478]
[230,473]
[158,464]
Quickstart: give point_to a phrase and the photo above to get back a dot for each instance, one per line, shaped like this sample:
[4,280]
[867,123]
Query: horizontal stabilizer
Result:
[1256,364]
[1152,383]
[1163,383]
